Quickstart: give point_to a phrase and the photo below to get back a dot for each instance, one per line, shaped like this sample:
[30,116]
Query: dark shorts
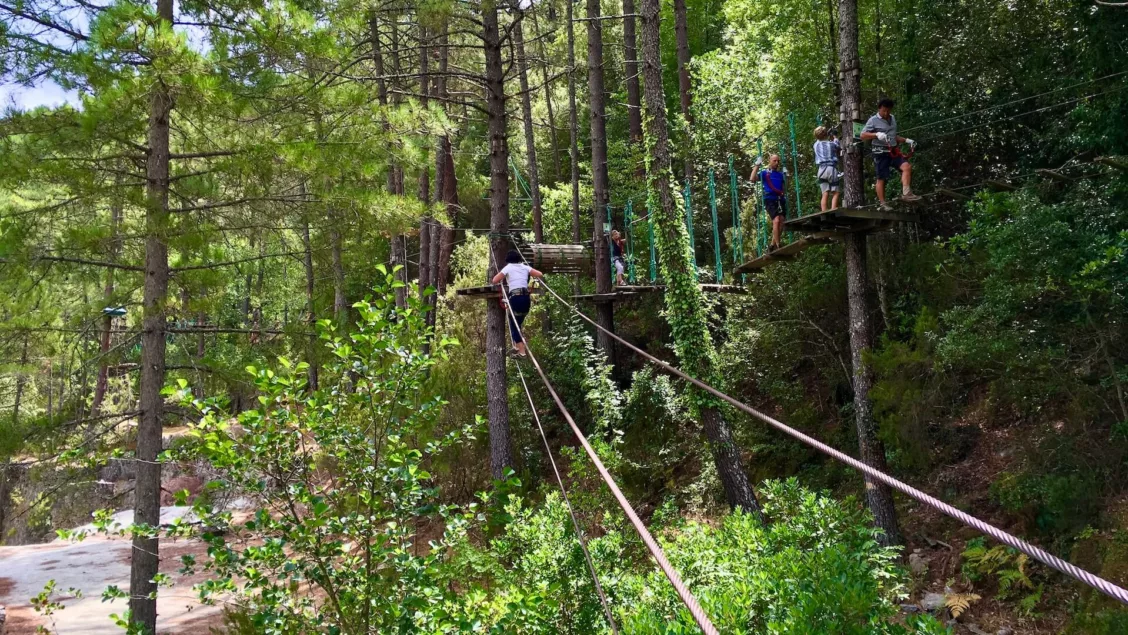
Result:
[885,163]
[520,305]
[776,207]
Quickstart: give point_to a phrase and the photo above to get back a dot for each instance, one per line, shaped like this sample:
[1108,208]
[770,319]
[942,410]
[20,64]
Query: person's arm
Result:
[536,274]
[498,278]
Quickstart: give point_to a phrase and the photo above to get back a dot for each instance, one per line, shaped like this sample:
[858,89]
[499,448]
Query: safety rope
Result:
[1011,103]
[683,592]
[1097,582]
[568,503]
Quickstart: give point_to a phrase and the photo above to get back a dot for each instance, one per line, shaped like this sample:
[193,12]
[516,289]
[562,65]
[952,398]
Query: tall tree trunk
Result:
[311,314]
[445,166]
[497,385]
[450,198]
[630,57]
[681,31]
[547,81]
[684,300]
[573,123]
[101,383]
[396,246]
[424,255]
[871,450]
[605,311]
[527,117]
[147,492]
[340,302]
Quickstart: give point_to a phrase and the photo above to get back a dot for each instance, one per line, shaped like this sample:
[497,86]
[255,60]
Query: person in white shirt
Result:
[516,275]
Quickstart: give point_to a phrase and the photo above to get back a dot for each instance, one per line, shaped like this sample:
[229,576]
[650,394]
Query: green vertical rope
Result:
[689,224]
[716,229]
[737,230]
[628,223]
[795,164]
[761,212]
[653,253]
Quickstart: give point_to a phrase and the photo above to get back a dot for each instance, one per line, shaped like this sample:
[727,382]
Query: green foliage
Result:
[1007,567]
[816,568]
[343,490]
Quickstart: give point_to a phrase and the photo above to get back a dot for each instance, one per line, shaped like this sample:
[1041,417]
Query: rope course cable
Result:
[1097,582]
[683,592]
[1013,102]
[568,503]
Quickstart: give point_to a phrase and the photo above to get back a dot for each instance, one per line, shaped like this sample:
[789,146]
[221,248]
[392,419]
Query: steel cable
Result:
[683,592]
[567,503]
[1097,582]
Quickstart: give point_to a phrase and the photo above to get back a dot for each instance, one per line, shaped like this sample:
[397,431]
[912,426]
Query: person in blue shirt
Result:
[827,152]
[774,180]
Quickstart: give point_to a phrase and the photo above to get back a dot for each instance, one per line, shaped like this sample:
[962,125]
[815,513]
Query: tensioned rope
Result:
[1013,102]
[568,503]
[1010,540]
[683,592]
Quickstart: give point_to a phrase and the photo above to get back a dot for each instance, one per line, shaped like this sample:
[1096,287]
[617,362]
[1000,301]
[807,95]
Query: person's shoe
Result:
[885,207]
[909,197]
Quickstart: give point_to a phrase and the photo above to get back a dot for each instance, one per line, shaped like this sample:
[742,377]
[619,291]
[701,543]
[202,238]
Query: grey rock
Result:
[1005,631]
[918,564]
[910,608]
[932,602]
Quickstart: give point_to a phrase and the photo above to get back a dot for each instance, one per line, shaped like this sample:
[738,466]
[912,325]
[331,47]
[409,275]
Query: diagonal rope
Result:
[1073,571]
[567,503]
[683,592]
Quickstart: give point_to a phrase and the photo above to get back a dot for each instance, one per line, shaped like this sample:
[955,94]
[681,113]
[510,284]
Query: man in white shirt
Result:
[516,275]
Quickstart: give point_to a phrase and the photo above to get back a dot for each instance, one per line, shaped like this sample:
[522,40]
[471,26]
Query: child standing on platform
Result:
[827,152]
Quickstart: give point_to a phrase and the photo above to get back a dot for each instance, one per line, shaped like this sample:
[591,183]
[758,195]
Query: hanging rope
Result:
[568,503]
[683,592]
[1050,560]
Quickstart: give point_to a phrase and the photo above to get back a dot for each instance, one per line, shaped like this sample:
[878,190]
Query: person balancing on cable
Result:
[516,275]
[881,132]
[618,243]
[775,199]
[827,152]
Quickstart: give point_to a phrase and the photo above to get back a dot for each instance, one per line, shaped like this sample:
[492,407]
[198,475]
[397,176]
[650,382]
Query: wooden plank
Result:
[953,194]
[876,214]
[1000,186]
[1112,163]
[787,252]
[488,291]
[1055,175]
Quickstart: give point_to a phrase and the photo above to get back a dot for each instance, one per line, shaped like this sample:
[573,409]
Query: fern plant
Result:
[1008,567]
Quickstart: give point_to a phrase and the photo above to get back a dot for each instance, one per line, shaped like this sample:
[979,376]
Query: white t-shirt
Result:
[517,275]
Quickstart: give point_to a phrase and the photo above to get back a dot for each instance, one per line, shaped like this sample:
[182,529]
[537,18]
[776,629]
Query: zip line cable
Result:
[1097,582]
[1013,102]
[683,592]
[567,503]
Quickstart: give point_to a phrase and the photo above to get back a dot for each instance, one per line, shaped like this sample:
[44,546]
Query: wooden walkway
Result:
[847,220]
[787,252]
[629,291]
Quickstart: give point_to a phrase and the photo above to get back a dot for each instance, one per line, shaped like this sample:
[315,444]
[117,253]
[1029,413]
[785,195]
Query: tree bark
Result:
[871,450]
[311,315]
[630,57]
[530,137]
[681,31]
[424,255]
[450,198]
[101,383]
[605,311]
[340,302]
[147,493]
[682,293]
[497,385]
[573,123]
[547,81]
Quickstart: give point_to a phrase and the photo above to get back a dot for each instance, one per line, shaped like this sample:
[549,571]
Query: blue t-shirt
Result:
[616,250]
[776,178]
[826,152]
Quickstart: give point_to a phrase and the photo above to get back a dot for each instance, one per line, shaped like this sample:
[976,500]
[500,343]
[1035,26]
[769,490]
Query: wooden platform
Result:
[489,291]
[629,291]
[846,220]
[787,252]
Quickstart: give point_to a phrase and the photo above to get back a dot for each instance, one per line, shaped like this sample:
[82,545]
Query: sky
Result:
[44,94]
